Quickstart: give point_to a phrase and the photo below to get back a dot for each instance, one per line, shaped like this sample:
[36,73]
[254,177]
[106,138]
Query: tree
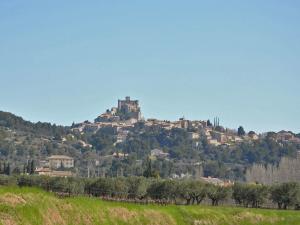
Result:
[137,187]
[256,195]
[119,188]
[285,194]
[24,168]
[239,194]
[101,187]
[220,129]
[192,191]
[249,194]
[241,131]
[217,194]
[251,133]
[183,191]
[32,167]
[162,189]
[149,171]
[16,171]
[209,124]
[28,168]
[103,138]
[7,169]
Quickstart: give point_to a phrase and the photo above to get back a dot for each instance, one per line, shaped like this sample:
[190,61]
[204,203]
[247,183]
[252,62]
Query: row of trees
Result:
[287,170]
[28,168]
[286,195]
[194,192]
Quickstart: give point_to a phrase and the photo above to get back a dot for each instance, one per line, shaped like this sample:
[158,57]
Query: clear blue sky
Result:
[65,61]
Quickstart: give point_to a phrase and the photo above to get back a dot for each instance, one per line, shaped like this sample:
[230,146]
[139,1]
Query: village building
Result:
[130,107]
[213,142]
[285,136]
[53,173]
[157,153]
[185,124]
[220,137]
[60,161]
[193,135]
[217,181]
[119,155]
[127,110]
[253,136]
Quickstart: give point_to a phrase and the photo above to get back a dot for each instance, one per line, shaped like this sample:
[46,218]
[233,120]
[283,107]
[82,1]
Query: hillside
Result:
[33,206]
[179,147]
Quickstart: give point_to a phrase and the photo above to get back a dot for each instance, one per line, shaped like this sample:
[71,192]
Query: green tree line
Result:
[285,195]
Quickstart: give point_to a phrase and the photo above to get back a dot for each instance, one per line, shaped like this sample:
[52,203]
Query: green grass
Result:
[34,206]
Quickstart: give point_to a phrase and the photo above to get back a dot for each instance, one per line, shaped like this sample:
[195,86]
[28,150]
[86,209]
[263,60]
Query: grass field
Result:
[33,206]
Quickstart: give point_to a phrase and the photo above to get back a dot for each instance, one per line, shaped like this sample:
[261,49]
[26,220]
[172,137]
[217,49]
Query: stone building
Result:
[130,108]
[60,161]
[193,136]
[220,137]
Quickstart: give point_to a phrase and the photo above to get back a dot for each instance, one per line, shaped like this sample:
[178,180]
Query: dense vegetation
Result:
[11,121]
[21,141]
[189,192]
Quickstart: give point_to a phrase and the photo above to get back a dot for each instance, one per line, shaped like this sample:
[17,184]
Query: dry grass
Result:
[205,222]
[53,217]
[7,219]
[158,218]
[123,214]
[12,200]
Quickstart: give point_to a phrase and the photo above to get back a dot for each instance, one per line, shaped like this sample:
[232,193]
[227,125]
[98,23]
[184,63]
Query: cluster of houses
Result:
[131,108]
[200,129]
[286,136]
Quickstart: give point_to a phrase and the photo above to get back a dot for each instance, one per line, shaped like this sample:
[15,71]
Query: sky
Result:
[65,61]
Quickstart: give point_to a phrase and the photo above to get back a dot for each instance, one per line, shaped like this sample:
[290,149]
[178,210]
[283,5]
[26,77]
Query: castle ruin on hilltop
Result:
[127,110]
[130,108]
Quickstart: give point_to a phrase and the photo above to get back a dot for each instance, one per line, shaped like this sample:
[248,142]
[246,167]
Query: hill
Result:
[111,146]
[33,206]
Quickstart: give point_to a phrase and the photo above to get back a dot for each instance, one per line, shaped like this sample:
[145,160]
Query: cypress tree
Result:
[24,168]
[7,169]
[32,167]
[28,167]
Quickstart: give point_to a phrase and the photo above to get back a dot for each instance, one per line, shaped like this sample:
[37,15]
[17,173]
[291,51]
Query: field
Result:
[34,206]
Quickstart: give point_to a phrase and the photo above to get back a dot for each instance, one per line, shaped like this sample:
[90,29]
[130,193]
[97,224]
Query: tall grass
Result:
[34,206]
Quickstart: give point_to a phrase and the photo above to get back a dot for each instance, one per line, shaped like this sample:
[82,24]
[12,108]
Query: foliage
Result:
[250,194]
[217,194]
[175,191]
[14,122]
[162,189]
[137,187]
[192,191]
[241,131]
[286,194]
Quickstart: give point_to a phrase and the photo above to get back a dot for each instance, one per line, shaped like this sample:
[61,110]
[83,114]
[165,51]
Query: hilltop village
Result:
[121,142]
[128,113]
